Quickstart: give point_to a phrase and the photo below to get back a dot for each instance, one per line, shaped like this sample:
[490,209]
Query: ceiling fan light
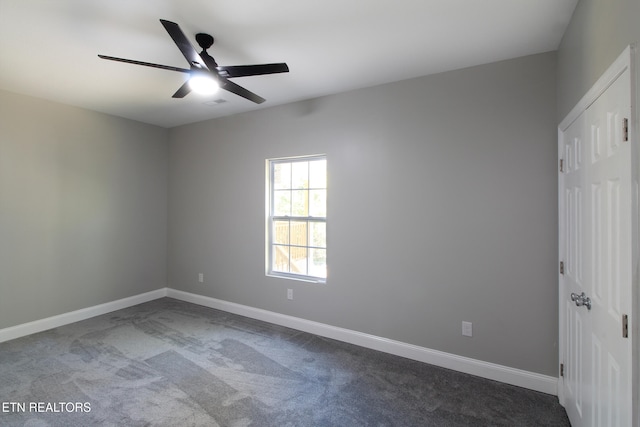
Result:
[204,85]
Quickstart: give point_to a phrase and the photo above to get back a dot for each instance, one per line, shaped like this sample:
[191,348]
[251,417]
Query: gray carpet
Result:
[171,363]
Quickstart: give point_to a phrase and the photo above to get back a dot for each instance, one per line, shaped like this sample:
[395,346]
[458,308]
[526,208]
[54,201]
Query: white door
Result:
[596,227]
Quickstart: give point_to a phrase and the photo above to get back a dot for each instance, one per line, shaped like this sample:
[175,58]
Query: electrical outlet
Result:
[290,294]
[467,329]
[201,277]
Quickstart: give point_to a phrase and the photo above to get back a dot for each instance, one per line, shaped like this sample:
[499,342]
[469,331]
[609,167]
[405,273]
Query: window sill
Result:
[298,278]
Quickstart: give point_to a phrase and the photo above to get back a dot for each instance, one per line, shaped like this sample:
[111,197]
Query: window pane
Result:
[318,234]
[300,175]
[298,233]
[300,203]
[280,258]
[281,232]
[318,203]
[282,202]
[299,260]
[318,262]
[318,174]
[281,175]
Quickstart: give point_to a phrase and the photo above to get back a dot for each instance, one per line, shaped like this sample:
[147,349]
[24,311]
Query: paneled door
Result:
[596,260]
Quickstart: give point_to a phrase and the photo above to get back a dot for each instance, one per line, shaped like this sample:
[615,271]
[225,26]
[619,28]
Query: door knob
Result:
[581,299]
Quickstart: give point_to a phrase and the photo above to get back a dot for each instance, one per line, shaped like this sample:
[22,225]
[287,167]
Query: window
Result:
[297,218]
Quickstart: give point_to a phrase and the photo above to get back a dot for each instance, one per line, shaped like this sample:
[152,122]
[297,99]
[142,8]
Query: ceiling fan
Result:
[204,68]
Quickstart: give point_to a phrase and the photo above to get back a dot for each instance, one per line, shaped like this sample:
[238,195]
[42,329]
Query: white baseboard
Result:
[492,371]
[36,326]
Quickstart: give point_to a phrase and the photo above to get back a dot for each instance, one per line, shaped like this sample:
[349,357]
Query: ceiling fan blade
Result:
[183,91]
[183,44]
[252,70]
[239,90]
[146,64]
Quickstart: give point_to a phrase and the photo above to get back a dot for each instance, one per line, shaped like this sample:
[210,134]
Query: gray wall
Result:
[442,208]
[83,208]
[597,34]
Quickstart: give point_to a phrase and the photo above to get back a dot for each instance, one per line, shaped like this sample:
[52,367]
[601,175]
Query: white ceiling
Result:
[49,48]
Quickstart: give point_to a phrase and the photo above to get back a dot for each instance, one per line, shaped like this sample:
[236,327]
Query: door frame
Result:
[626,61]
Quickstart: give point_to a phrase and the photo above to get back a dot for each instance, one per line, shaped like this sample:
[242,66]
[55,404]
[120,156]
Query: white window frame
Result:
[271,218]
